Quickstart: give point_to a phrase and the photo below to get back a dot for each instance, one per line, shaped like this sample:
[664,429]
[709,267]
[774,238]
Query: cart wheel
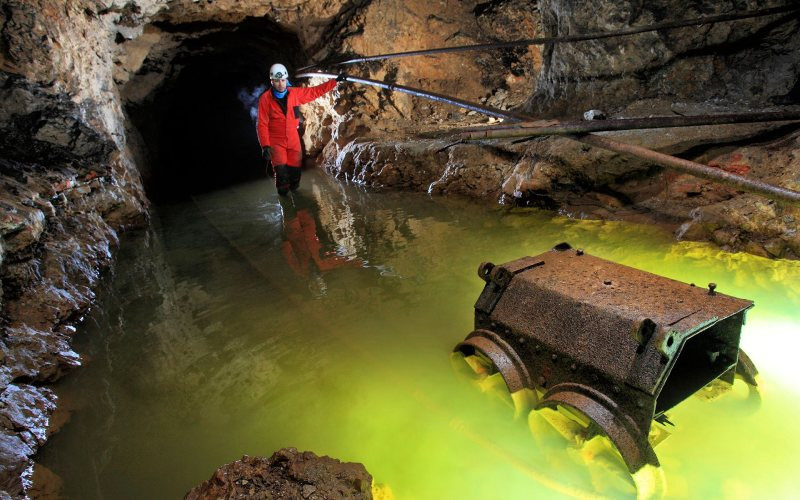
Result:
[481,371]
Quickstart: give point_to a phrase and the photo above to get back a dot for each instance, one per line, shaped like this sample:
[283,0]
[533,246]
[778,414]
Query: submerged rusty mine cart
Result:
[617,344]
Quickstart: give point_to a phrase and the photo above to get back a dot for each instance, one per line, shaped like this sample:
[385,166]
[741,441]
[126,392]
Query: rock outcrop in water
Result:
[288,473]
[98,100]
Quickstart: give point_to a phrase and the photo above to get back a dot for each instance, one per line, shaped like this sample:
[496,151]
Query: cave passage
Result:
[199,127]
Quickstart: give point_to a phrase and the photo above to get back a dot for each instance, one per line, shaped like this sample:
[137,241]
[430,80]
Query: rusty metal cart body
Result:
[620,345]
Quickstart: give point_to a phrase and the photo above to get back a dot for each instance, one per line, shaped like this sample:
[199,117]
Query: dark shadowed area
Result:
[199,127]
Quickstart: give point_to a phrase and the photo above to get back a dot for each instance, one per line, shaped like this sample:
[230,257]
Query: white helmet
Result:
[278,72]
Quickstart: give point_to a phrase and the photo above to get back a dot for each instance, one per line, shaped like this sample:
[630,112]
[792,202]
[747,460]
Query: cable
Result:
[568,38]
[698,169]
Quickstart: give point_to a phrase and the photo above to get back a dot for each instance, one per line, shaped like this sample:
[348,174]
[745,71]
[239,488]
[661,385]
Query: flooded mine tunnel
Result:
[201,119]
[172,301]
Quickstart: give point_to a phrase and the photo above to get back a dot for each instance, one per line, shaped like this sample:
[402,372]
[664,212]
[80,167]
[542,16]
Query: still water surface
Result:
[240,326]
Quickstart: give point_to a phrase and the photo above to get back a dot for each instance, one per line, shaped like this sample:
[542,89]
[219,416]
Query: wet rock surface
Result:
[24,413]
[288,473]
[58,229]
[67,187]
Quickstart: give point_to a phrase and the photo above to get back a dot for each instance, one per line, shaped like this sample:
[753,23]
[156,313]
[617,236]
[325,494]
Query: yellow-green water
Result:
[207,346]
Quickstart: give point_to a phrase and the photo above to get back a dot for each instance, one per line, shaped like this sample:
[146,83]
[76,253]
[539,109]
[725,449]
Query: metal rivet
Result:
[554,357]
[711,287]
[521,340]
[573,367]
[615,389]
[542,381]
[579,251]
[606,282]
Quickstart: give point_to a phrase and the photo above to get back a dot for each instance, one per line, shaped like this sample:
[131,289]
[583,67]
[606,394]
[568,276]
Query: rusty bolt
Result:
[484,269]
[606,282]
[501,276]
[711,287]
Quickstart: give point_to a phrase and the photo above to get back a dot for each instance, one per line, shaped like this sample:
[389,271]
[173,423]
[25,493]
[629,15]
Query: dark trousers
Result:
[286,178]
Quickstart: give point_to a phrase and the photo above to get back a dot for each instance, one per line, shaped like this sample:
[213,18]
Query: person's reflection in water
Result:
[302,247]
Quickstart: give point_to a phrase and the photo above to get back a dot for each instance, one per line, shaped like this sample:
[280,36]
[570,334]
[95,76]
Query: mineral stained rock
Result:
[288,473]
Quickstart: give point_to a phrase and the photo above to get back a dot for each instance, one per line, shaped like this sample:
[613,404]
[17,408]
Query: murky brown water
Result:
[239,326]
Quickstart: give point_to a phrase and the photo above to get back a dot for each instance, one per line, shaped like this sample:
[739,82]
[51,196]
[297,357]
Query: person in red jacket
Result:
[277,123]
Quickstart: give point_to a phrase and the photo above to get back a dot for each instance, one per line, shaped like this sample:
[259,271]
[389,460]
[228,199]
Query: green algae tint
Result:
[219,335]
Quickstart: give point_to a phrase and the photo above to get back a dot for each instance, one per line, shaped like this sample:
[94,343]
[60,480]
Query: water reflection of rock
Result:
[195,352]
[384,231]
[201,353]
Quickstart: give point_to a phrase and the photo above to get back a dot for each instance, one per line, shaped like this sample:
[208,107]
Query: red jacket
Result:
[278,129]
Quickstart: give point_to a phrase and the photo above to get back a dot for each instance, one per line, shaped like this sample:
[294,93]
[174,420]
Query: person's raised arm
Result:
[308,94]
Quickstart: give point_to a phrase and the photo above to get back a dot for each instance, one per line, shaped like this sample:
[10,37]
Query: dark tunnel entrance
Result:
[199,127]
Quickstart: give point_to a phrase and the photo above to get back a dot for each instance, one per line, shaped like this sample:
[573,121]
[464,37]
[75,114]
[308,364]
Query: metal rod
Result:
[569,38]
[693,168]
[768,190]
[555,127]
[486,110]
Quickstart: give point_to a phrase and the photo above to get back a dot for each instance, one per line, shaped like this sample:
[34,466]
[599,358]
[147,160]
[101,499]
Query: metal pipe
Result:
[486,110]
[770,191]
[693,168]
[569,38]
[555,127]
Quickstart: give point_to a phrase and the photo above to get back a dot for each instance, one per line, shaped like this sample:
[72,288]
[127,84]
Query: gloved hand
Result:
[266,152]
[341,77]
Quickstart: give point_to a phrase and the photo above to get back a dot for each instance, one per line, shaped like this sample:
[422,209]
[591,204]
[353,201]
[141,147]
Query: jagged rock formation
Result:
[286,474]
[101,100]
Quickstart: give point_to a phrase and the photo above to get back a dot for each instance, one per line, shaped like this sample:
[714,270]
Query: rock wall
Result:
[82,84]
[68,184]
[746,65]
